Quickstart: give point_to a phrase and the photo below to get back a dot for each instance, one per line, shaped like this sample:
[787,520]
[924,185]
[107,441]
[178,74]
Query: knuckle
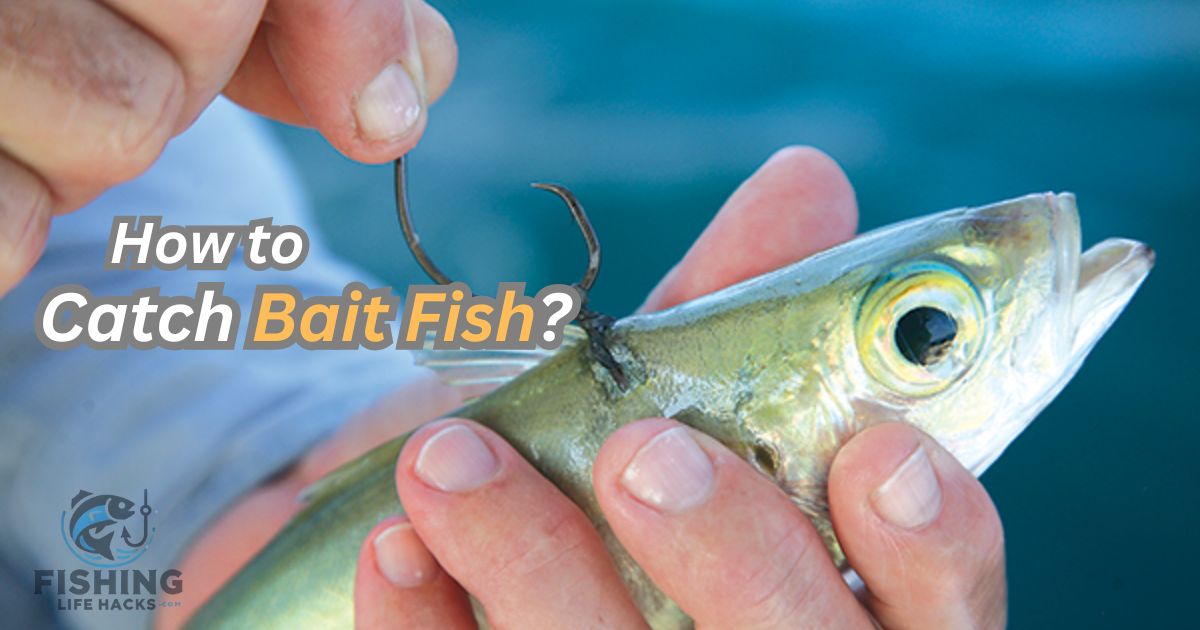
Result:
[22,194]
[987,550]
[987,596]
[98,103]
[546,543]
[991,540]
[973,584]
[774,585]
[147,100]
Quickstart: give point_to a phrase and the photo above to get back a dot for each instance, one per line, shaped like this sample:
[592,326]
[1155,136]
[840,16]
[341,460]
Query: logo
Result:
[106,530]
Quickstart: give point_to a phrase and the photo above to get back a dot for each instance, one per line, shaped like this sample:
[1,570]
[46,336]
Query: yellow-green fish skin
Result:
[783,369]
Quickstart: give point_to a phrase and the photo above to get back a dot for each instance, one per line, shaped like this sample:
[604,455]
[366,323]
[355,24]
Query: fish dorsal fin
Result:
[83,494]
[477,372]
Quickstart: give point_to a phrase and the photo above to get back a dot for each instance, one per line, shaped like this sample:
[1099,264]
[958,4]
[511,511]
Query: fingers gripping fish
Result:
[965,324]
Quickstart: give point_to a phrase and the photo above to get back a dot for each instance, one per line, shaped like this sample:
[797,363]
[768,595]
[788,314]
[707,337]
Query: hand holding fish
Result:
[962,325]
[94,90]
[722,541]
[713,533]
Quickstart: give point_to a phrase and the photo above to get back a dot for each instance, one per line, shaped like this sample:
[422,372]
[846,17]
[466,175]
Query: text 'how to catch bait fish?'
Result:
[447,316]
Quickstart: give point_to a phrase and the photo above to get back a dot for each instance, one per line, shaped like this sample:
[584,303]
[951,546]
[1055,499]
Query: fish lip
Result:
[1096,283]
[1110,272]
[1066,235]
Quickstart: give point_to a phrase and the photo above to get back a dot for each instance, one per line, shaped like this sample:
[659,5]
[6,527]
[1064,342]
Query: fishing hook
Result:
[146,510]
[596,325]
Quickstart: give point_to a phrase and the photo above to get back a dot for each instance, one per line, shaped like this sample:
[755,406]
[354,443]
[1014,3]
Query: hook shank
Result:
[410,235]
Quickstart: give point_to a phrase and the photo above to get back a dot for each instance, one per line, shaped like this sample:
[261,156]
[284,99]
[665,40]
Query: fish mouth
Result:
[1090,289]
[1109,274]
[1097,283]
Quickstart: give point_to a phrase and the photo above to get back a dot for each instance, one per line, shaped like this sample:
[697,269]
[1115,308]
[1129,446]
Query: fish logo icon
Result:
[96,528]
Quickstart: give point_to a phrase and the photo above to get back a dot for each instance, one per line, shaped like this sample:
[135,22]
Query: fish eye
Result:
[925,335]
[919,327]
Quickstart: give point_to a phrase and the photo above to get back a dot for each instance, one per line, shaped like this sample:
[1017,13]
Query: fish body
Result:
[92,516]
[964,324]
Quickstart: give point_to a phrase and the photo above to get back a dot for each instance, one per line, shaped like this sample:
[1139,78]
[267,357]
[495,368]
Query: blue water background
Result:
[653,111]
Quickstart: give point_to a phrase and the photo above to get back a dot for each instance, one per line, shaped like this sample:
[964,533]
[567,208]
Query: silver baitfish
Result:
[965,324]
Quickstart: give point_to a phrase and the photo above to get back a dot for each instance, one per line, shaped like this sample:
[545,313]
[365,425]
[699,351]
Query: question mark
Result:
[567,305]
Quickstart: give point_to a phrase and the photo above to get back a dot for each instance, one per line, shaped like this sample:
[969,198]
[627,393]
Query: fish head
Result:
[965,323]
[120,508]
[968,323]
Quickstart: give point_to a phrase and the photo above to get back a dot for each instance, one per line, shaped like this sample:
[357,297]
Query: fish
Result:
[93,514]
[964,324]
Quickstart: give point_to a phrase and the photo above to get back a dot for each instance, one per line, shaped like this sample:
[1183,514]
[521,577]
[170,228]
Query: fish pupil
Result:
[925,335]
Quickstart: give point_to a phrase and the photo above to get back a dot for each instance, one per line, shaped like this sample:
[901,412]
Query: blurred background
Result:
[653,111]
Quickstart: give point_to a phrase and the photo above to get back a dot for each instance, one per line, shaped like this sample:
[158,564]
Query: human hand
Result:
[717,537]
[93,89]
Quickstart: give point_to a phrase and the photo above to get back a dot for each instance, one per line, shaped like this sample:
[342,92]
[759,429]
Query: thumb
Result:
[361,72]
[920,530]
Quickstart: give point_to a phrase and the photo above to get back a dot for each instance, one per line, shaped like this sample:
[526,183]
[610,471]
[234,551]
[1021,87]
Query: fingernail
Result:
[456,460]
[670,472]
[402,558]
[389,106]
[911,497]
